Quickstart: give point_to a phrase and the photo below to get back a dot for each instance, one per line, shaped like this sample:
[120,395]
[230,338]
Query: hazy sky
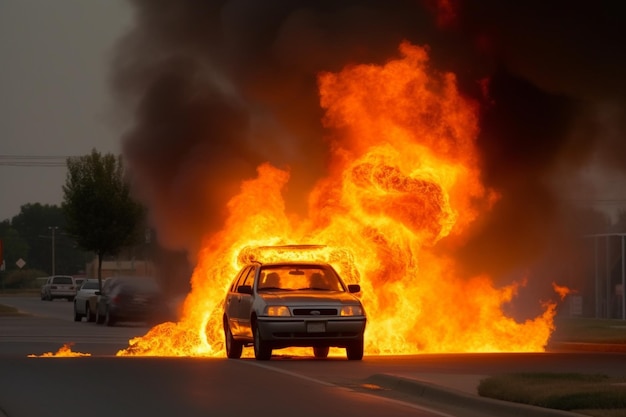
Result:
[55,100]
[54,97]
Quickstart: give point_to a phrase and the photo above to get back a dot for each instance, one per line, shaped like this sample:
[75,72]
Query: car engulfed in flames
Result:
[284,304]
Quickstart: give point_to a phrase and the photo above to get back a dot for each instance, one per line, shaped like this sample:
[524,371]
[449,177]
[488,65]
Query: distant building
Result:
[120,267]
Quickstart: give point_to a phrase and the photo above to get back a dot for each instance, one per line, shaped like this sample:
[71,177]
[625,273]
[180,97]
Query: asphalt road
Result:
[123,386]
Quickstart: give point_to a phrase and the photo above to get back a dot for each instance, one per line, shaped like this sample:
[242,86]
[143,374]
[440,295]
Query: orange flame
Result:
[562,291]
[403,177]
[64,352]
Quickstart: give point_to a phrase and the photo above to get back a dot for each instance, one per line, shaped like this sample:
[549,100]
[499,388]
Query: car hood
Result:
[308,297]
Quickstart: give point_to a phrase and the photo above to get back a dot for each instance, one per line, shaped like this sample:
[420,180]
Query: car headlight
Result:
[281,311]
[351,311]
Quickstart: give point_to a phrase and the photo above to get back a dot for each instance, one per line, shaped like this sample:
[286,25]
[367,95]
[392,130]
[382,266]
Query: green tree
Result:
[99,209]
[14,247]
[23,278]
[35,224]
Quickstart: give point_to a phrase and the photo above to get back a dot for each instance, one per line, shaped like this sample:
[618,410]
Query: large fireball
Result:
[404,177]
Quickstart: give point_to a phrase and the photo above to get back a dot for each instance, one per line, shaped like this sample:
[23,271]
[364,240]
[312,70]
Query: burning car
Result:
[292,304]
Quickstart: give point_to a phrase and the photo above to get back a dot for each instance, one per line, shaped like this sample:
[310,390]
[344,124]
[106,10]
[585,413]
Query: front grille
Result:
[300,335]
[314,311]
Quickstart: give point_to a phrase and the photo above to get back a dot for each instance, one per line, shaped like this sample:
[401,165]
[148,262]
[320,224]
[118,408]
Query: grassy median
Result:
[588,330]
[592,395]
[9,311]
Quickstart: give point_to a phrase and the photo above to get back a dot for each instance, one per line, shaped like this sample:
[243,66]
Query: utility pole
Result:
[53,228]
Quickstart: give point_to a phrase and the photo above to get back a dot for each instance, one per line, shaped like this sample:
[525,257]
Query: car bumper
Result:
[62,294]
[310,332]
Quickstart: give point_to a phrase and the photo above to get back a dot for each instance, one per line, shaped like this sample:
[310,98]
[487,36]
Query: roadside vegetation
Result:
[587,330]
[9,311]
[592,395]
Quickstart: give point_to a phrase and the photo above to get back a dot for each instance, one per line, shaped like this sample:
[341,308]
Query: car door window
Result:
[237,279]
[250,277]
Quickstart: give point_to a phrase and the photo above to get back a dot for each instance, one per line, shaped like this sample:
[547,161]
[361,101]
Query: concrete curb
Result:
[586,347]
[453,398]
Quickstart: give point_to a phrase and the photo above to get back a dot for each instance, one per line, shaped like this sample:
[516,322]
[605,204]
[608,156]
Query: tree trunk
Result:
[100,255]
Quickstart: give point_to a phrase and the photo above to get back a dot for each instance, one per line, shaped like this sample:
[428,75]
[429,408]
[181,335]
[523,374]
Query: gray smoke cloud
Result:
[218,87]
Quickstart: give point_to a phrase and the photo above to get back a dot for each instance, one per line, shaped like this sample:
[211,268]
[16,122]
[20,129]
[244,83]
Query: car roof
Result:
[62,276]
[252,254]
[293,263]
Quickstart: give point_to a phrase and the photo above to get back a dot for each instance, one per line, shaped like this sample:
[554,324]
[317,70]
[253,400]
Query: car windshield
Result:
[89,285]
[299,277]
[63,280]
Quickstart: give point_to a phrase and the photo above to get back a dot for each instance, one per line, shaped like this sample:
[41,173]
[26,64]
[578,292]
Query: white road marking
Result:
[328,384]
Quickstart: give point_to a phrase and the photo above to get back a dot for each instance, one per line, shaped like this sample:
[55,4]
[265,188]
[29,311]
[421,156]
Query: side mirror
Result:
[244,289]
[352,288]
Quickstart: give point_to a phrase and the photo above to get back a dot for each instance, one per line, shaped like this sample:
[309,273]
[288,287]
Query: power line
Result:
[608,201]
[51,161]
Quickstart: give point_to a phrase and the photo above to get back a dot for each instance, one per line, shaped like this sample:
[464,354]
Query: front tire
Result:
[99,317]
[90,316]
[262,351]
[77,316]
[320,352]
[109,320]
[233,347]
[354,351]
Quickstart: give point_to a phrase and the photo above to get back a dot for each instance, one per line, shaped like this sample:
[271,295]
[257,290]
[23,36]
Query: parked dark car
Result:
[130,299]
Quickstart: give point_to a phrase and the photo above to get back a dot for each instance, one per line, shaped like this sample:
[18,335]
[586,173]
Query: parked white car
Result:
[59,286]
[85,300]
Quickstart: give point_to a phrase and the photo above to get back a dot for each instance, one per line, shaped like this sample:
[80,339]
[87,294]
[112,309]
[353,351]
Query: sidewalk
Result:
[459,395]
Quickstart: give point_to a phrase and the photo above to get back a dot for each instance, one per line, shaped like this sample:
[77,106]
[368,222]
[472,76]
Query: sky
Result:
[55,98]
[197,93]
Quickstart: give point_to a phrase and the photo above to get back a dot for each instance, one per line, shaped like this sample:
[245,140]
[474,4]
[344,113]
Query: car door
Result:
[245,304]
[46,288]
[231,303]
[103,296]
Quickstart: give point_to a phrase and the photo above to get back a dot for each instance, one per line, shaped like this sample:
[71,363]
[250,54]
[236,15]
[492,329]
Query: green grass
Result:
[20,292]
[589,330]
[9,311]
[593,395]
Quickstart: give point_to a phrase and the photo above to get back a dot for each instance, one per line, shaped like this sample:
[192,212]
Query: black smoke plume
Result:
[218,87]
